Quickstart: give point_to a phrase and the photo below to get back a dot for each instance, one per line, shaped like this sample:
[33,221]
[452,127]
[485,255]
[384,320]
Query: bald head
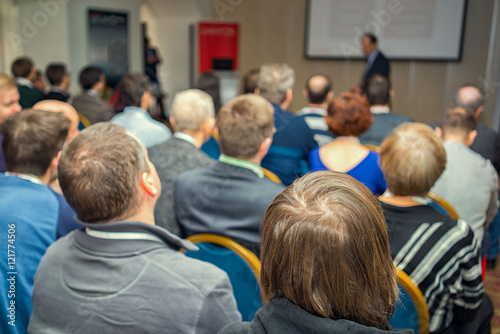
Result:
[470,97]
[318,89]
[66,108]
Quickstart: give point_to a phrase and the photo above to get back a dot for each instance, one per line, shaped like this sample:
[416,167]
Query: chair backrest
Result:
[372,147]
[411,309]
[442,205]
[279,152]
[271,176]
[84,122]
[241,265]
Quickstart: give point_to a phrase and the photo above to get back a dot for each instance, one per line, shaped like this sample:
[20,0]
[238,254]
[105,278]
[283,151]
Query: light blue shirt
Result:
[138,122]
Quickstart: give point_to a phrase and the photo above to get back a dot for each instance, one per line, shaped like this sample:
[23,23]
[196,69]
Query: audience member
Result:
[293,140]
[30,210]
[469,182]
[348,117]
[66,223]
[192,116]
[89,103]
[230,197]
[487,143]
[318,93]
[122,273]
[24,72]
[135,92]
[376,62]
[210,84]
[152,60]
[9,105]
[441,255]
[377,89]
[39,81]
[310,240]
[471,97]
[250,81]
[59,80]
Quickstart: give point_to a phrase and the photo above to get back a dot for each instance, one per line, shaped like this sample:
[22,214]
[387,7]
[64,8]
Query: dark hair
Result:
[21,67]
[458,120]
[89,76]
[244,123]
[349,115]
[250,81]
[132,87]
[55,73]
[318,94]
[372,37]
[32,138]
[209,83]
[99,173]
[325,248]
[377,89]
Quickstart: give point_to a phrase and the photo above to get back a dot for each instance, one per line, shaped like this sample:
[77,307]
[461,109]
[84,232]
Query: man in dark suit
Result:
[376,62]
[230,198]
[59,80]
[192,116]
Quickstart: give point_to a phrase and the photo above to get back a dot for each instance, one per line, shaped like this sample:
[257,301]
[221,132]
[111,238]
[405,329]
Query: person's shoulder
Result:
[201,275]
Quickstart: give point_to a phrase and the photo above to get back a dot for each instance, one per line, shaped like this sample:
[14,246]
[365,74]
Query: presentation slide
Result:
[406,29]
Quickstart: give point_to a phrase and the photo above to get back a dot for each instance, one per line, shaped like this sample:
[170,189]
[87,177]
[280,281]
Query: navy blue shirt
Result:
[292,142]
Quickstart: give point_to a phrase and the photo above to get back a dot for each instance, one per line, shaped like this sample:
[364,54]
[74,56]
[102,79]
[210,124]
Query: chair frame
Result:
[250,258]
[418,298]
[443,203]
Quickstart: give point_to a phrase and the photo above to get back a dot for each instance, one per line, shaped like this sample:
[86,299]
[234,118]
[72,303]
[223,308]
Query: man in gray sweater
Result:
[120,273]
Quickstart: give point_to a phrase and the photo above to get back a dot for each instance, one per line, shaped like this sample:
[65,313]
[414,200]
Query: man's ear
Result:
[172,122]
[304,92]
[439,132]
[55,161]
[471,137]
[208,127]
[256,91]
[264,146]
[148,184]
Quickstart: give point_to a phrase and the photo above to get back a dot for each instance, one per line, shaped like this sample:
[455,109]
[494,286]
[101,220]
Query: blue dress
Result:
[367,171]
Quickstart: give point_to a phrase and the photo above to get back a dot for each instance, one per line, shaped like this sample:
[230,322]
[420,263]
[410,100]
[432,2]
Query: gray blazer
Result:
[93,108]
[170,159]
[226,200]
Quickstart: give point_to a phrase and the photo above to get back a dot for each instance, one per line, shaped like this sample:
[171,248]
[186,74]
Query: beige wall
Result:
[273,31]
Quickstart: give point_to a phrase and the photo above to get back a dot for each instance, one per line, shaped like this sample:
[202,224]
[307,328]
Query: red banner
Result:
[218,46]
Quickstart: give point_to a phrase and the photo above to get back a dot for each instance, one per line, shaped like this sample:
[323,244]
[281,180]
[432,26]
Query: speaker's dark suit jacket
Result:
[380,66]
[226,200]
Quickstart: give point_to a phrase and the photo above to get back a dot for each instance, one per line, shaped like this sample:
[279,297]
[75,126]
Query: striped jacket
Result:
[441,256]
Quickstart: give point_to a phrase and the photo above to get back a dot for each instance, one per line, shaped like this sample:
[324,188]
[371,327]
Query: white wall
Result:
[168,29]
[56,30]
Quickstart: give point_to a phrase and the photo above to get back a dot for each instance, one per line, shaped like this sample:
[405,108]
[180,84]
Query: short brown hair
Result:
[325,248]
[21,67]
[244,123]
[458,120]
[32,138]
[412,158]
[349,115]
[99,173]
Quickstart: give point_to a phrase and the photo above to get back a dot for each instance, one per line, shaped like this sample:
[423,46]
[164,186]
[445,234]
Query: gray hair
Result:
[191,109]
[274,81]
